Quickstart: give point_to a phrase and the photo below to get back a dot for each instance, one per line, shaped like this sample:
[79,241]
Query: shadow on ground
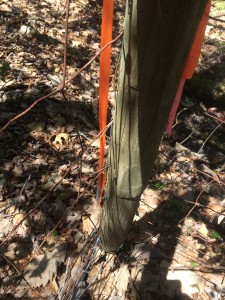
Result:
[153,277]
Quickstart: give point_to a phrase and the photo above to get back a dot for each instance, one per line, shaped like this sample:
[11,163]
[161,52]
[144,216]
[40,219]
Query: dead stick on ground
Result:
[196,203]
[209,137]
[8,260]
[44,240]
[206,207]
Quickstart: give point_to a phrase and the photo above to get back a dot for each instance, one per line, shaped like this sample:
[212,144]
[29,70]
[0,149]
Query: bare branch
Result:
[59,88]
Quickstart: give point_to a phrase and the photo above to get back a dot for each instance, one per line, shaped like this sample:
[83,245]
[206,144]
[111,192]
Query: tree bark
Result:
[158,36]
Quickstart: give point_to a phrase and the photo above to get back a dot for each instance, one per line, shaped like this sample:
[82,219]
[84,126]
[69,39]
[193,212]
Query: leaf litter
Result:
[49,247]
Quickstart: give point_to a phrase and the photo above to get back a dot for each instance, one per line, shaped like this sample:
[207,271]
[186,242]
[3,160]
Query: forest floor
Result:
[49,217]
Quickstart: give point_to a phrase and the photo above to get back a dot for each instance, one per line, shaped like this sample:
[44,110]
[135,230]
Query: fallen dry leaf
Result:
[203,230]
[92,218]
[60,140]
[42,269]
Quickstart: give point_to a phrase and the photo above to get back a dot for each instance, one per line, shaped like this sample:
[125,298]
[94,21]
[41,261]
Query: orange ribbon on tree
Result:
[190,65]
[106,37]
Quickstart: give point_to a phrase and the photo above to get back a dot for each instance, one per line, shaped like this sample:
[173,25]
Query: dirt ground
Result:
[49,217]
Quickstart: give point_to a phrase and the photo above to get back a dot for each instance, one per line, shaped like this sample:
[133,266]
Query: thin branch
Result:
[59,88]
[187,138]
[65,44]
[8,260]
[213,117]
[193,207]
[186,244]
[216,19]
[198,171]
[23,188]
[209,137]
[43,241]
[206,207]
[93,58]
[215,179]
[28,109]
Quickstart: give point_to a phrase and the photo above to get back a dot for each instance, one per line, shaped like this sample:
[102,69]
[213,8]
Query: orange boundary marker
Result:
[106,37]
[197,45]
[190,65]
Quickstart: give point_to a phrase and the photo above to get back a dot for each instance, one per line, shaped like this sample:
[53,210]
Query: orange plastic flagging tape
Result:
[106,37]
[197,45]
[190,65]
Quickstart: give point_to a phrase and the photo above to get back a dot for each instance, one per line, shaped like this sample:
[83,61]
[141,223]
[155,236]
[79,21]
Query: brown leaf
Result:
[42,269]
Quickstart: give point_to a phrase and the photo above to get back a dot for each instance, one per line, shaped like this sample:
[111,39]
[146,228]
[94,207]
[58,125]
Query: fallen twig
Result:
[213,117]
[8,260]
[196,203]
[59,88]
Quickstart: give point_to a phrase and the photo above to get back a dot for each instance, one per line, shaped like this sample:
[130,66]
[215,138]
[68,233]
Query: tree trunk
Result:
[158,36]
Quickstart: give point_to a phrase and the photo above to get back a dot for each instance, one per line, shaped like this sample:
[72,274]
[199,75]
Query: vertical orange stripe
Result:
[190,65]
[197,45]
[106,37]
